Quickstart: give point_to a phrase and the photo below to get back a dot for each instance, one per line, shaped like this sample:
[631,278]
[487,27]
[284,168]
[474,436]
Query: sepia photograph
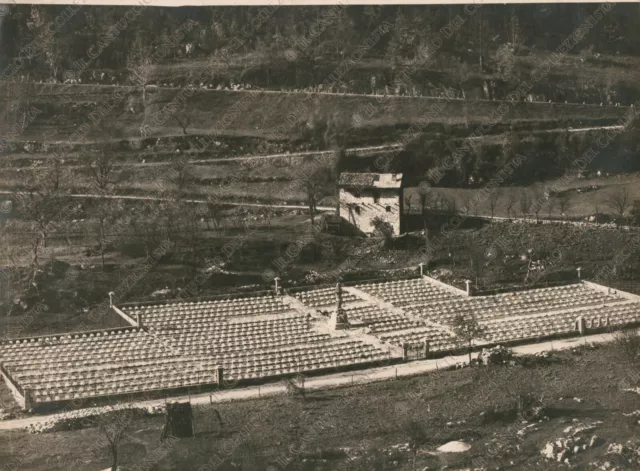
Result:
[331,237]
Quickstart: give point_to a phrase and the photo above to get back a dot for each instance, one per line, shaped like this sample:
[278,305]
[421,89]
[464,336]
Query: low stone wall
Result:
[445,286]
[127,318]
[609,290]
[14,388]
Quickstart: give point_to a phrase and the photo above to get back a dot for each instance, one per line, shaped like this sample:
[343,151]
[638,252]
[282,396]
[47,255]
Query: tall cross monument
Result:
[339,318]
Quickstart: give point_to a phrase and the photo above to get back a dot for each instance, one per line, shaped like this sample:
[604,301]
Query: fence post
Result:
[396,373]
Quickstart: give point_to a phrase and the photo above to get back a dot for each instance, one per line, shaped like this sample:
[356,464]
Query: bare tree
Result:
[467,204]
[192,216]
[539,200]
[417,437]
[619,201]
[425,197]
[42,205]
[551,206]
[524,202]
[215,215]
[114,427]
[101,171]
[315,183]
[511,201]
[476,259]
[494,197]
[564,203]
[467,329]
[174,191]
[183,119]
[597,204]
[140,66]
[106,212]
[449,206]
[408,199]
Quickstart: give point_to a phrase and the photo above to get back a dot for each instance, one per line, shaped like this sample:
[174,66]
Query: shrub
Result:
[497,355]
[627,343]
[295,387]
[383,228]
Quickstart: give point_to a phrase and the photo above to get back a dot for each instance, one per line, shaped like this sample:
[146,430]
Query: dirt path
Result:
[383,373]
[366,151]
[355,151]
[152,88]
[154,198]
[558,221]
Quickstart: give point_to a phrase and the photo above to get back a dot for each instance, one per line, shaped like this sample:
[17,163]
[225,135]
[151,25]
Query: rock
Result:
[615,449]
[497,355]
[454,447]
[594,441]
[548,451]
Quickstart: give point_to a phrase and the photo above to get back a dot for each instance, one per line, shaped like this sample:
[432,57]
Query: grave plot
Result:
[254,337]
[97,364]
[547,324]
[184,314]
[513,304]
[403,293]
[324,297]
[381,320]
[440,339]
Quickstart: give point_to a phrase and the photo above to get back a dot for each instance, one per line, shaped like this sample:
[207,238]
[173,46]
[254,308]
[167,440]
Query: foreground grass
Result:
[358,427]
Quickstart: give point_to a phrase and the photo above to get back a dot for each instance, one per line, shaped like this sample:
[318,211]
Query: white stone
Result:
[454,447]
[548,451]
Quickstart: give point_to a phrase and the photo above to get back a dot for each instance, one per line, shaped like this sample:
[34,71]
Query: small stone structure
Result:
[415,350]
[363,197]
[178,421]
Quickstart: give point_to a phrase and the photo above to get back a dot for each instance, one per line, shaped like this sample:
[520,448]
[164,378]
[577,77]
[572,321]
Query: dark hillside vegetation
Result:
[496,47]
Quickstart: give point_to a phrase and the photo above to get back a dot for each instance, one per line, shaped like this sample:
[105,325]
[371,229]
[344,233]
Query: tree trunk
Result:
[102,244]
[426,235]
[114,457]
[469,353]
[480,39]
[312,214]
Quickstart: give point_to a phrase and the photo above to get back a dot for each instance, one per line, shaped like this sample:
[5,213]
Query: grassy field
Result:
[365,427]
[245,113]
